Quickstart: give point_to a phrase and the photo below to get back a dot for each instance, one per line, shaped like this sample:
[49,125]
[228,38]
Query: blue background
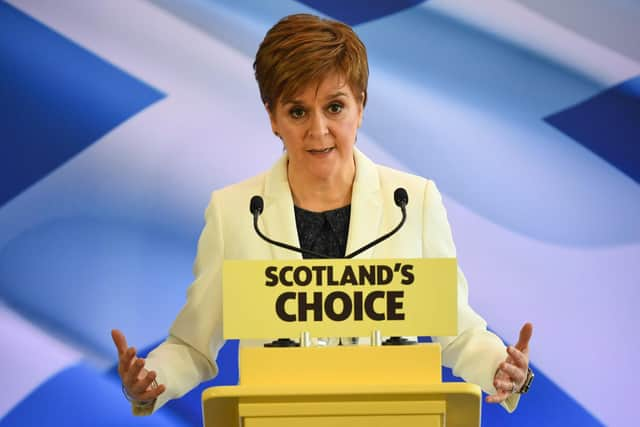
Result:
[117,123]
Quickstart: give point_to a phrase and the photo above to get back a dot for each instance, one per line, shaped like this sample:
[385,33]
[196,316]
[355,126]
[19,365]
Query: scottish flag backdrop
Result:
[118,118]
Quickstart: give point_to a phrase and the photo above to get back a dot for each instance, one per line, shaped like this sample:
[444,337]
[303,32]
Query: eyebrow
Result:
[297,101]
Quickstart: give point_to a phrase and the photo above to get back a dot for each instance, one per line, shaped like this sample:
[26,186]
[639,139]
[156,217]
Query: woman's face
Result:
[318,127]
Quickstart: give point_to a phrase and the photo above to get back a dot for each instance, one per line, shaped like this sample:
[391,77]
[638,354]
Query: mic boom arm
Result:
[400,198]
[381,238]
[256,207]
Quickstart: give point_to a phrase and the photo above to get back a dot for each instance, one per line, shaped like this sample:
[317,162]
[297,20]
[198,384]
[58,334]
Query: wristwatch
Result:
[527,382]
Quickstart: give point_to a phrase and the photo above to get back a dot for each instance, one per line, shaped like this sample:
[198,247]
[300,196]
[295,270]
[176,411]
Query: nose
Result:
[318,126]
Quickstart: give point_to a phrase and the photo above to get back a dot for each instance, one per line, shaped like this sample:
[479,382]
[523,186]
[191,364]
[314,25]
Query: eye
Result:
[297,112]
[335,107]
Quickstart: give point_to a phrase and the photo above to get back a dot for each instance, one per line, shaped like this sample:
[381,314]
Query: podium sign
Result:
[339,297]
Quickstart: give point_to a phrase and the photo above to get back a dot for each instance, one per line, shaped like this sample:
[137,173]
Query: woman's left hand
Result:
[512,373]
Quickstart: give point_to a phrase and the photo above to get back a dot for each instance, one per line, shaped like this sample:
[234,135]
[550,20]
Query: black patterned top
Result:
[323,232]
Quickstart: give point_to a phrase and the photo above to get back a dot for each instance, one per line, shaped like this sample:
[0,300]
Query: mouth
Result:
[322,151]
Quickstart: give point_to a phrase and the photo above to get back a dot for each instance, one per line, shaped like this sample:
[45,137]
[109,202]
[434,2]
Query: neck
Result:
[321,194]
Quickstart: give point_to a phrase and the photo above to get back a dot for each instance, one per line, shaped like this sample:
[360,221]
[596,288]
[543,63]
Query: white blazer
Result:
[188,356]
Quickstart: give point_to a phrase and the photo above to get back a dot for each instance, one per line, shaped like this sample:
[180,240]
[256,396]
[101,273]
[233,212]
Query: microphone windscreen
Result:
[401,197]
[256,205]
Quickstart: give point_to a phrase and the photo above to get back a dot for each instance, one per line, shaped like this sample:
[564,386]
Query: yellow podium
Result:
[383,386]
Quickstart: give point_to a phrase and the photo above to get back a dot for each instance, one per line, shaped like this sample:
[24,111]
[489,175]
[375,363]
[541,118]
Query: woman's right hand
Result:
[138,381]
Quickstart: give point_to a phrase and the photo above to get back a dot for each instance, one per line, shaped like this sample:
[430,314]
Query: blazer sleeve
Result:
[475,353]
[188,356]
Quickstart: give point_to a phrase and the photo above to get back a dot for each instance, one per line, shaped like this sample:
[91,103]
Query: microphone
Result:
[400,197]
[256,206]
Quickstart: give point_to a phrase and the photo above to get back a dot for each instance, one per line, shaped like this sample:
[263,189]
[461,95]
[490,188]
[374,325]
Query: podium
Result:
[341,386]
[382,386]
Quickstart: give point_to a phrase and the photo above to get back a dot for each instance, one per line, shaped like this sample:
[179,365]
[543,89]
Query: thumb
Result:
[119,340]
[525,336]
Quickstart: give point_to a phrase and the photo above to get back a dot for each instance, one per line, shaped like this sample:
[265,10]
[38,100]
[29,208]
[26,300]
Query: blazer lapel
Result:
[366,206]
[278,219]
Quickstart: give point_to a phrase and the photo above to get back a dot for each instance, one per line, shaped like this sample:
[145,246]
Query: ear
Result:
[272,119]
[361,108]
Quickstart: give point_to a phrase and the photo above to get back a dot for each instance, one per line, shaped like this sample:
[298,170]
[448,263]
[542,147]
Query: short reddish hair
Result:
[302,49]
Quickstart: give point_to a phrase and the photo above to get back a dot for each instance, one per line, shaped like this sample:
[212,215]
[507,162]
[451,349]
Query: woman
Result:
[312,74]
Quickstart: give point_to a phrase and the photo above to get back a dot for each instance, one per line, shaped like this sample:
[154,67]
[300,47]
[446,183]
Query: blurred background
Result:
[118,119]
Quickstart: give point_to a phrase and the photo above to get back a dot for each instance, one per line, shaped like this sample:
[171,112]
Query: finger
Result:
[518,358]
[119,340]
[497,398]
[500,375]
[132,373]
[153,393]
[525,336]
[128,358]
[125,362]
[516,374]
[143,382]
[505,386]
